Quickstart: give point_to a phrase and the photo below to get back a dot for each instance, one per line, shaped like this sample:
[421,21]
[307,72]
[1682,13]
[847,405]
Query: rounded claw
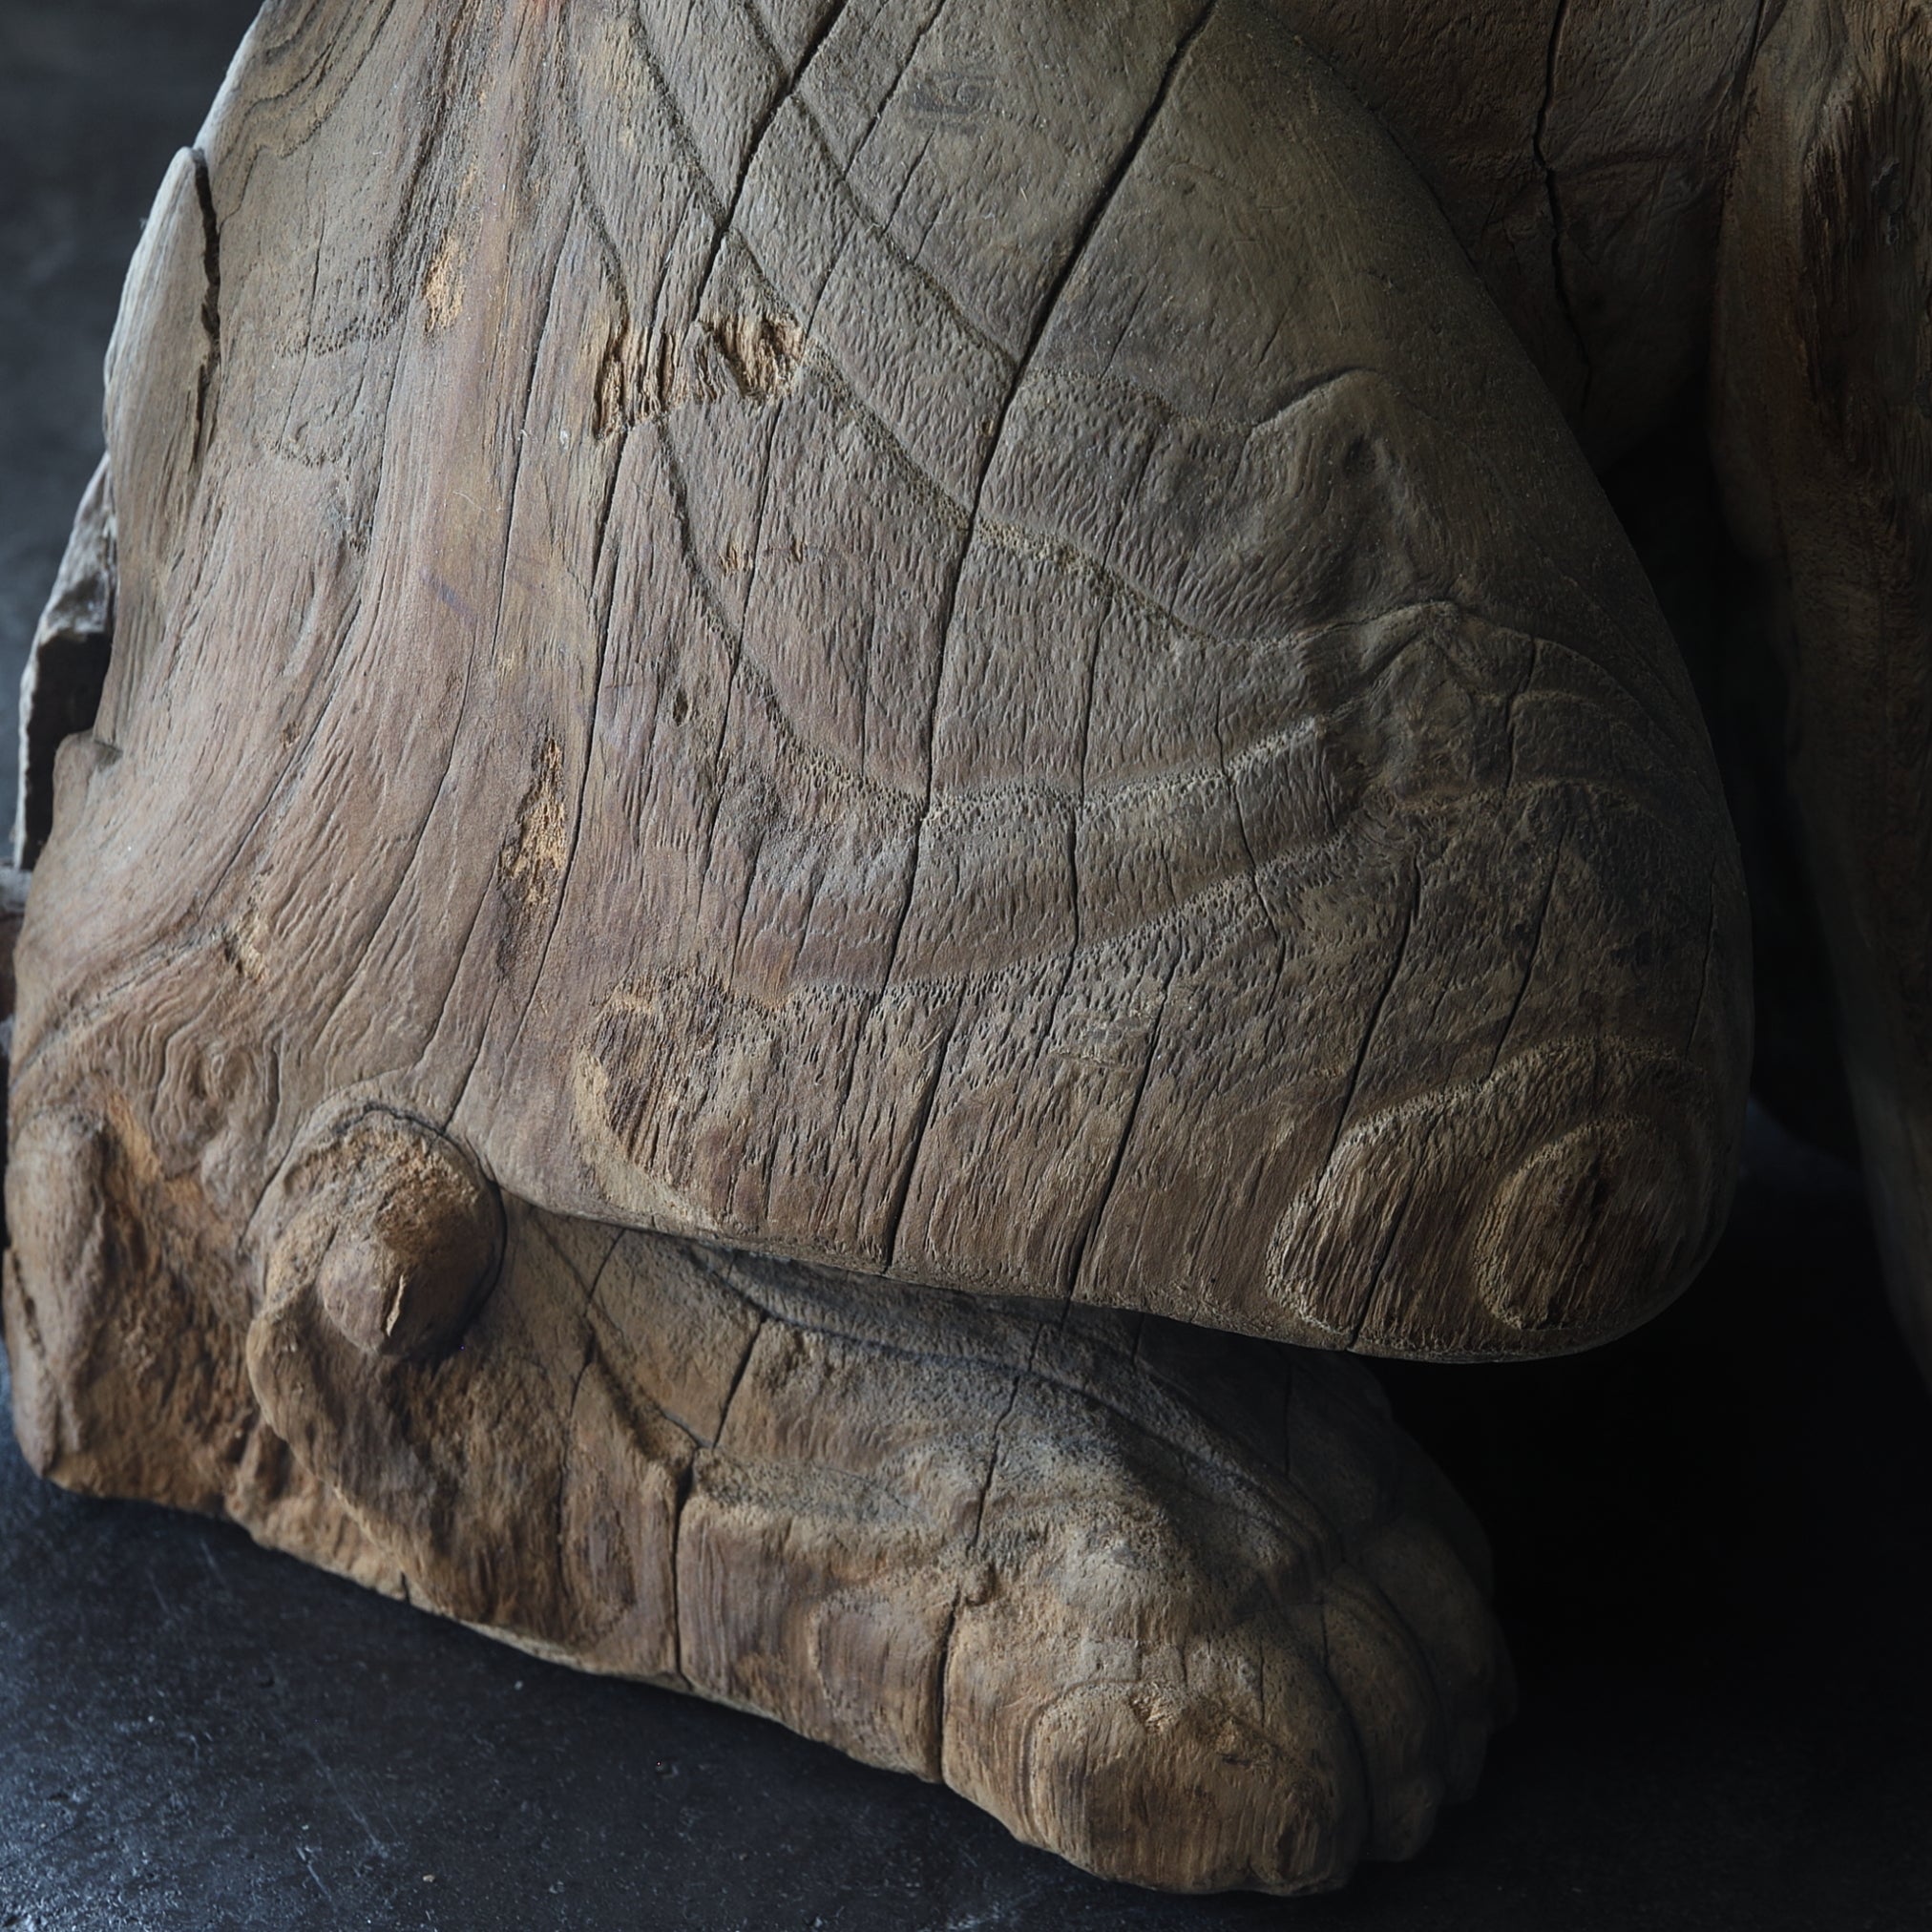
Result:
[399,1233]
[1205,1667]
[1161,1786]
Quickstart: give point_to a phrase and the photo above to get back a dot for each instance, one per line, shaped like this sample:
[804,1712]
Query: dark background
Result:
[1714,1549]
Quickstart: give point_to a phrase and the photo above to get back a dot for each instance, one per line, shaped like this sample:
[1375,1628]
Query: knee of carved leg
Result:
[392,1226]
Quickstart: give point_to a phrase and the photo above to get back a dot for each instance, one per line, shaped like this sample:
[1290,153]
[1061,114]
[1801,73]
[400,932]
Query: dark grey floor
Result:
[1714,1540]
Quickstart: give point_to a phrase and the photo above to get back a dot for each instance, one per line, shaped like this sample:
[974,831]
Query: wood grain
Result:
[826,724]
[1187,1610]
[1128,763]
[1579,149]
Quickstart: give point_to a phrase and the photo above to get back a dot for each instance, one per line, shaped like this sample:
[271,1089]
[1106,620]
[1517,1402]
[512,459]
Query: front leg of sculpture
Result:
[1190,1610]
[1823,427]
[673,673]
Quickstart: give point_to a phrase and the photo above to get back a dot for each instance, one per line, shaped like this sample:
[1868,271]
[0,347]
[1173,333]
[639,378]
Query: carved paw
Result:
[1185,1609]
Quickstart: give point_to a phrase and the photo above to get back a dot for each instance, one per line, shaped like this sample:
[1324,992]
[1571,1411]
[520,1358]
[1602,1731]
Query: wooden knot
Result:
[392,1227]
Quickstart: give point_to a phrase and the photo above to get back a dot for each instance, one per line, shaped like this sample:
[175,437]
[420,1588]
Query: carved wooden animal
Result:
[825,726]
[1744,184]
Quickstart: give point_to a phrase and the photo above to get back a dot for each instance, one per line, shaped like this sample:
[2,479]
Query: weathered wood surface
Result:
[66,666]
[950,645]
[1087,1569]
[1010,685]
[1580,150]
[1184,1607]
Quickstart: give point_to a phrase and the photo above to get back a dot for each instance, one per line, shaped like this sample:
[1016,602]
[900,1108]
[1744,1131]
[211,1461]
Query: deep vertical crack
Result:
[896,1212]
[1408,915]
[1049,306]
[971,1550]
[1076,1255]
[211,300]
[1538,147]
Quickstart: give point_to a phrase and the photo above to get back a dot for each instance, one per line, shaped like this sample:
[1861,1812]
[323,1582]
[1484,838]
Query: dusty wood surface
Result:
[958,648]
[1186,1607]
[784,722]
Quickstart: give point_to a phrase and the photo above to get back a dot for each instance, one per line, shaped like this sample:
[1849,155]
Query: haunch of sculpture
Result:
[828,729]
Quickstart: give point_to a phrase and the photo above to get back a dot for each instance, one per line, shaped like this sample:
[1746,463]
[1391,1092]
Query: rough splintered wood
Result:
[1186,1607]
[952,645]
[1129,764]
[67,666]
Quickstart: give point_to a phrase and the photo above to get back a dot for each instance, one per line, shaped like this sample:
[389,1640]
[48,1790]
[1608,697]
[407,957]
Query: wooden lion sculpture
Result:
[865,765]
